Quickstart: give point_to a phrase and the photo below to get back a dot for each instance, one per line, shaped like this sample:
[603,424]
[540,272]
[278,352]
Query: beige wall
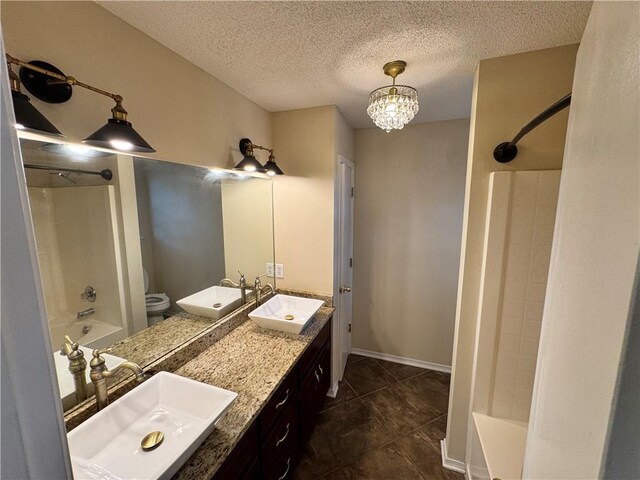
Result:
[508,92]
[408,220]
[186,114]
[306,143]
[594,264]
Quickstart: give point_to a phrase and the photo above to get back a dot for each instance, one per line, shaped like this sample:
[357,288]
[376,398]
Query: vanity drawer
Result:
[283,470]
[282,439]
[284,396]
[242,462]
[309,356]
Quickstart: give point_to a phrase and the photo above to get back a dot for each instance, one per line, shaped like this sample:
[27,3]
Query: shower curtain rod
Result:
[106,173]
[507,151]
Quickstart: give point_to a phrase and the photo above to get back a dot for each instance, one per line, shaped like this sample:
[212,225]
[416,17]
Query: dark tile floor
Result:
[386,423]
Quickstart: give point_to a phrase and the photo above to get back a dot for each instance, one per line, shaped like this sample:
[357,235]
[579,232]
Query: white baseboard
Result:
[333,391]
[403,360]
[450,463]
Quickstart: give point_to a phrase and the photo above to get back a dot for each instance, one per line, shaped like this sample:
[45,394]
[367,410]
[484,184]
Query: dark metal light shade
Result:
[272,168]
[29,118]
[118,135]
[250,164]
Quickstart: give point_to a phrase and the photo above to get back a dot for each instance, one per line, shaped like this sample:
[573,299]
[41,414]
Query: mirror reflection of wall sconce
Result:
[49,84]
[250,164]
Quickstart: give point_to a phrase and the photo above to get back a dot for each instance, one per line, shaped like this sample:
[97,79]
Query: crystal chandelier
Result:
[393,106]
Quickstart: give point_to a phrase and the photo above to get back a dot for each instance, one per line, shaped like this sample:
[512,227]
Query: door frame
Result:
[336,370]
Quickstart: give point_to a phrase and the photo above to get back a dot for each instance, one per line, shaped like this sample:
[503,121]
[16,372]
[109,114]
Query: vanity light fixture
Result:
[393,106]
[272,167]
[27,116]
[250,164]
[49,84]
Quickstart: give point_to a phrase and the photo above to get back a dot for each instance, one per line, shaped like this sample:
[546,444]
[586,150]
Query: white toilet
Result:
[157,303]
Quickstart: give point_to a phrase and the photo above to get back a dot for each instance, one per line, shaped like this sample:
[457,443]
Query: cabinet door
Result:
[307,362]
[313,392]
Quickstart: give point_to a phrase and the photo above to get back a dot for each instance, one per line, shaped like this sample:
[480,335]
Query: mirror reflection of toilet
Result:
[157,303]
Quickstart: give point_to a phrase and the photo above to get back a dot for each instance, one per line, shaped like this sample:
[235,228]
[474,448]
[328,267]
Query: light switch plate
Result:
[279,270]
[270,270]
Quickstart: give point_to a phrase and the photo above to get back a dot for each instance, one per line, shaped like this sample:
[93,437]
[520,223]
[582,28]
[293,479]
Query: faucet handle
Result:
[68,346]
[97,361]
[242,278]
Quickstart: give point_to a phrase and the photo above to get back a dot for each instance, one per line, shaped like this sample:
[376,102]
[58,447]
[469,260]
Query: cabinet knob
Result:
[345,289]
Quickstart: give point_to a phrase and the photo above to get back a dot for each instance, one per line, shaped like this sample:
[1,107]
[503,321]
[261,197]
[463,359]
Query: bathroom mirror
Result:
[133,264]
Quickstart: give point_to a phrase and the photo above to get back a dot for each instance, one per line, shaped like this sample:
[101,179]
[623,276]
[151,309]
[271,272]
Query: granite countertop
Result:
[252,362]
[153,342]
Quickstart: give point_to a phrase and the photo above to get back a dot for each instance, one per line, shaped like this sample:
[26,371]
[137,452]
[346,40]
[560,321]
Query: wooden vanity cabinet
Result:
[313,391]
[270,448]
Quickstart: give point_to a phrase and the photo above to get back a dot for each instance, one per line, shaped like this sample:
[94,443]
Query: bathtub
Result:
[91,333]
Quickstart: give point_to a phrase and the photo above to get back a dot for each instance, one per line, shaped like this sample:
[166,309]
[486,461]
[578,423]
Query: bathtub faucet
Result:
[85,313]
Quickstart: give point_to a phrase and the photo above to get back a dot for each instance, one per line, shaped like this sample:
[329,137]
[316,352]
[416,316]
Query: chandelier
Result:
[393,106]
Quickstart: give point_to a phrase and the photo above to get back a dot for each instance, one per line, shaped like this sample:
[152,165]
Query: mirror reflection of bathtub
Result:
[93,333]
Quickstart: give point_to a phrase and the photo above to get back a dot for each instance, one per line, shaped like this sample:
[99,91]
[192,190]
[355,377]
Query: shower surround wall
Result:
[78,245]
[180,217]
[520,220]
[529,220]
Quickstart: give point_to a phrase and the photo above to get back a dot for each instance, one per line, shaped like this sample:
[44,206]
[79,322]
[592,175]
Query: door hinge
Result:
[349,328]
[351,191]
[351,262]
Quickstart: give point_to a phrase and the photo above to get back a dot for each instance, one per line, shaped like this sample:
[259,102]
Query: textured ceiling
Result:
[290,55]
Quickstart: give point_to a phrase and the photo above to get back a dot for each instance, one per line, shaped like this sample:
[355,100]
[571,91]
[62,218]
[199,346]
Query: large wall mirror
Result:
[137,264]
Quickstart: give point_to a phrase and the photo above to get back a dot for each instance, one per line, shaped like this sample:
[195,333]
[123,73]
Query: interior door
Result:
[345,302]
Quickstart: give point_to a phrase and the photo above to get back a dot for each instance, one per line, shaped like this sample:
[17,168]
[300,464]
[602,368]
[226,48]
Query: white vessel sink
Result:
[107,446]
[275,313]
[65,379]
[213,302]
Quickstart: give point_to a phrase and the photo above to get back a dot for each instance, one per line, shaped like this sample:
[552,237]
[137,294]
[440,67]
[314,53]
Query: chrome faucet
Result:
[242,285]
[99,375]
[261,290]
[85,313]
[77,367]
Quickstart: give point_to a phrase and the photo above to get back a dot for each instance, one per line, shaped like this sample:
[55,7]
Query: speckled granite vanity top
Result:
[252,362]
[152,343]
